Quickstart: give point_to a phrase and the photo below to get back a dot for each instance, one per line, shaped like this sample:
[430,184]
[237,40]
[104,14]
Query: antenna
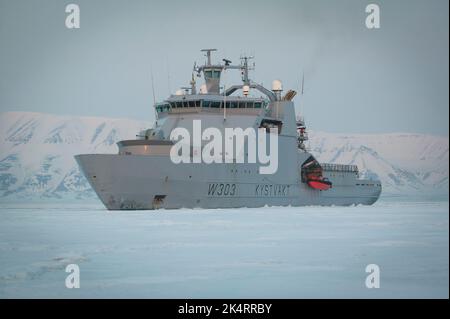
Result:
[302,135]
[208,54]
[302,90]
[227,62]
[154,97]
[245,68]
[153,86]
[303,81]
[224,95]
[168,75]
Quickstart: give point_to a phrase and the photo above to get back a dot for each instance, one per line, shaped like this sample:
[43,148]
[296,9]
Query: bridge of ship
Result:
[197,103]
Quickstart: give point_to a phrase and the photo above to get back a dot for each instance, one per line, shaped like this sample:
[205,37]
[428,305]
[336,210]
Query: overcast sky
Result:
[394,79]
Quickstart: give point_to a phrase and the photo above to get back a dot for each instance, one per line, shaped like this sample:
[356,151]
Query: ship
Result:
[142,175]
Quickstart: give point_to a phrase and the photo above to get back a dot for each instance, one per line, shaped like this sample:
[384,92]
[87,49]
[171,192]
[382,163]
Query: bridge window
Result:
[162,108]
[213,74]
[209,104]
[232,105]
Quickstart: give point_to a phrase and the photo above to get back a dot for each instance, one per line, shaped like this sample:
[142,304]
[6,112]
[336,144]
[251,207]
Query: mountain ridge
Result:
[37,149]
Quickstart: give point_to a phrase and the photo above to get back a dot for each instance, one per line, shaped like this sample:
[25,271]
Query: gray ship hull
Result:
[151,182]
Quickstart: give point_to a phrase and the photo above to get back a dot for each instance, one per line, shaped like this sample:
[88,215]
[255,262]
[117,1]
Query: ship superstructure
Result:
[143,176]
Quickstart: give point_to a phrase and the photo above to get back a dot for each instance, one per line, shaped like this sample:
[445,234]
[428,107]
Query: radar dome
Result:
[277,85]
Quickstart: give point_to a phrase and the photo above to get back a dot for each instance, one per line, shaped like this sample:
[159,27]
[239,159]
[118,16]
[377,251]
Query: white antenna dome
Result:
[179,92]
[277,85]
[245,89]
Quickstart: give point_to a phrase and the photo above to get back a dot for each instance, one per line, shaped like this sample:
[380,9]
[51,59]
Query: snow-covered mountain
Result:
[36,155]
[36,152]
[405,163]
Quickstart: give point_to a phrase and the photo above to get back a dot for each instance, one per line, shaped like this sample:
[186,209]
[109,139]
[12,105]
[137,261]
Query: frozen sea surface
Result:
[288,252]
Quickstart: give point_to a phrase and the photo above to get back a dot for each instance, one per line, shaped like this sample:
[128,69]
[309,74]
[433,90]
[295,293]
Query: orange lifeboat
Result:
[320,184]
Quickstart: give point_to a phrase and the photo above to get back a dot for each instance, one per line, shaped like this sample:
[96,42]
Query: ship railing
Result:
[339,167]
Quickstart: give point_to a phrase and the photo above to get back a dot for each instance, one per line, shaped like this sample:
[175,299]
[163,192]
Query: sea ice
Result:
[272,252]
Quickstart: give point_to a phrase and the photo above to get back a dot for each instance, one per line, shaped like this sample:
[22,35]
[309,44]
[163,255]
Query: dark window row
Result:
[215,74]
[210,104]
